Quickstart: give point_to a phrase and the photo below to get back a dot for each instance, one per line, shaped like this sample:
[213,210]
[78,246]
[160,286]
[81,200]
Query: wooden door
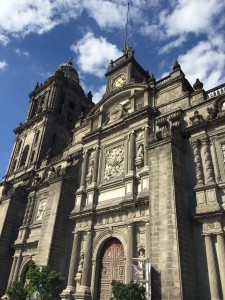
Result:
[111,267]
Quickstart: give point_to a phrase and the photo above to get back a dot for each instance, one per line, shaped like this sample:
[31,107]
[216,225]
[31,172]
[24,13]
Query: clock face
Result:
[119,82]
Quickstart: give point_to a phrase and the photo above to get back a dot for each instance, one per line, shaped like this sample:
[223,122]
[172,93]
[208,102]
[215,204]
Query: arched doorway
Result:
[111,267]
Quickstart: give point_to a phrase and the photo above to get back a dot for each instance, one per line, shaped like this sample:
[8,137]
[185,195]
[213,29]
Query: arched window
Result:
[33,108]
[24,156]
[14,165]
[18,146]
[32,156]
[36,137]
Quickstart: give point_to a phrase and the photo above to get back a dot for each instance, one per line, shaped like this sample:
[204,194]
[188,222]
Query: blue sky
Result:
[36,36]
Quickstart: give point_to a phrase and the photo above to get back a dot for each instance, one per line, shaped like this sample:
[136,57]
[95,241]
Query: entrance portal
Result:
[111,267]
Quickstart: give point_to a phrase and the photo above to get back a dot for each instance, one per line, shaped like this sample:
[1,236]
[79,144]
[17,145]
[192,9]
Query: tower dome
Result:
[68,70]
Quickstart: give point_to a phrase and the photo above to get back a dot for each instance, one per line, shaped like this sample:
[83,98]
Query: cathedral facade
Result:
[92,189]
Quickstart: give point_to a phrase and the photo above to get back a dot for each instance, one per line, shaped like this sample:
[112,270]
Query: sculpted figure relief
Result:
[116,113]
[80,270]
[90,173]
[41,210]
[114,166]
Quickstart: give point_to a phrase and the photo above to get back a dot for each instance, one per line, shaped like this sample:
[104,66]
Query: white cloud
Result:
[206,62]
[94,54]
[4,40]
[19,18]
[25,16]
[3,65]
[21,52]
[171,45]
[107,14]
[192,16]
[97,95]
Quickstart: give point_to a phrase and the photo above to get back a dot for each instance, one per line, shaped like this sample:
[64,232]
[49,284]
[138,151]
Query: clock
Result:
[119,82]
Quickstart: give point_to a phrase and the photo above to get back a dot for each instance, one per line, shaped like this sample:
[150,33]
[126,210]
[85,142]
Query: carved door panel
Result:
[111,267]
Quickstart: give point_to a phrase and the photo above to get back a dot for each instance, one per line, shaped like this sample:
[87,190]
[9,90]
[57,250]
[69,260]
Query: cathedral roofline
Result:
[127,57]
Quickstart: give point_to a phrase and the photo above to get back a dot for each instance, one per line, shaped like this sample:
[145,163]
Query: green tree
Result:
[130,291]
[17,291]
[45,281]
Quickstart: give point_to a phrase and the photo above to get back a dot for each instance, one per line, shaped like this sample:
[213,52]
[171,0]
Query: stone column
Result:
[146,133]
[87,261]
[95,171]
[198,162]
[131,153]
[209,176]
[147,240]
[53,95]
[17,268]
[12,271]
[130,242]
[29,210]
[213,279]
[221,260]
[84,168]
[74,256]
[93,278]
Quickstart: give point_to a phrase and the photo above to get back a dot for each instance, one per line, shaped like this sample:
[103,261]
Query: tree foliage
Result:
[45,281]
[130,291]
[17,291]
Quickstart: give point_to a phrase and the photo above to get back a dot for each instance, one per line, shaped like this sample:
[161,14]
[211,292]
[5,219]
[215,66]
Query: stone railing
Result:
[56,158]
[215,92]
[163,81]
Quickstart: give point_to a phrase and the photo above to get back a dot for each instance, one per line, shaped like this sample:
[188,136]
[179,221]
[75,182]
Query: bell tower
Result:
[124,71]
[55,107]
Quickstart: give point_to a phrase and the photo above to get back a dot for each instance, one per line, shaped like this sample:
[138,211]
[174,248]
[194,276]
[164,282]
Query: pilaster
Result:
[220,249]
[70,289]
[130,242]
[83,291]
[213,278]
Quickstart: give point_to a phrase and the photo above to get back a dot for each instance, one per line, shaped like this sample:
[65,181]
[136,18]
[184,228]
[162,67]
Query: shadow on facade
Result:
[156,284]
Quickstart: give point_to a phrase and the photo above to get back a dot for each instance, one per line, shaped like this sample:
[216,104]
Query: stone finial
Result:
[176,65]
[151,78]
[198,85]
[89,96]
[70,61]
[37,86]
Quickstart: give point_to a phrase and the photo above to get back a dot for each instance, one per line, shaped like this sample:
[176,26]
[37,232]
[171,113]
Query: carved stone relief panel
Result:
[114,162]
[139,103]
[140,135]
[123,216]
[41,206]
[212,226]
[41,210]
[223,151]
[95,124]
[116,113]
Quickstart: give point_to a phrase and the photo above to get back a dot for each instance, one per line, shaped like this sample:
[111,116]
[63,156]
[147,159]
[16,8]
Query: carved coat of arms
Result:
[114,166]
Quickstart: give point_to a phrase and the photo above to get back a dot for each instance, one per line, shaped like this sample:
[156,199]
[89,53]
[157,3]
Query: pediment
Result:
[116,106]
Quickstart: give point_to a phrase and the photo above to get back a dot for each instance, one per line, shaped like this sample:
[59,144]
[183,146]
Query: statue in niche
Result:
[90,173]
[140,152]
[51,172]
[141,262]
[140,156]
[41,210]
[78,277]
[36,179]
